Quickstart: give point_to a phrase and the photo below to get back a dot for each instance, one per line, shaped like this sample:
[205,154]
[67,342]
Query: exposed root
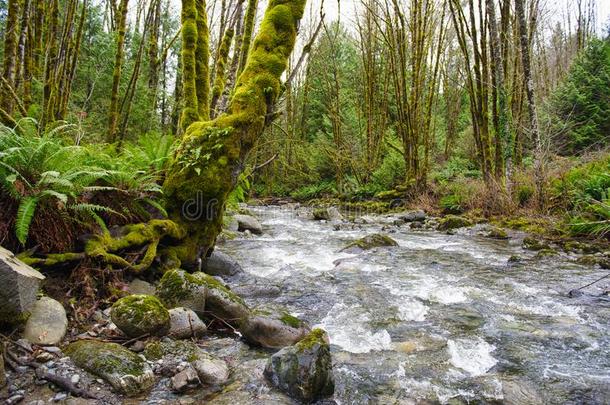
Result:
[105,248]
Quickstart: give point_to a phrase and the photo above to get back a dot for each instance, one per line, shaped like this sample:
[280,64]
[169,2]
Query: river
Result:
[439,318]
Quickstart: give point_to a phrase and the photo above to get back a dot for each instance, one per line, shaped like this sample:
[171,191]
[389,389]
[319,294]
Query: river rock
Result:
[47,324]
[413,216]
[127,372]
[327,214]
[177,288]
[211,370]
[451,222]
[137,286]
[257,290]
[369,242]
[137,315]
[185,377]
[221,264]
[273,331]
[531,243]
[184,323]
[24,281]
[517,391]
[248,223]
[304,370]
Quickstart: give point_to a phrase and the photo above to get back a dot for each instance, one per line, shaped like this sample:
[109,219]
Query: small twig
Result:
[64,383]
[144,336]
[590,284]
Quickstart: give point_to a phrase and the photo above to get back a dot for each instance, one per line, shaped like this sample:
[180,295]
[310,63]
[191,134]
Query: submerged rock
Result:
[47,324]
[369,242]
[221,264]
[273,331]
[304,370]
[137,315]
[184,323]
[24,281]
[327,214]
[127,372]
[450,222]
[248,223]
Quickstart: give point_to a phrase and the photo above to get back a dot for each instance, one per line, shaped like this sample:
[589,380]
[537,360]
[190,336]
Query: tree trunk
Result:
[116,76]
[211,154]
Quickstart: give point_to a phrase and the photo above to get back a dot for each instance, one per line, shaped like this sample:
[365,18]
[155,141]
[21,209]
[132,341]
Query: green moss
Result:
[453,222]
[371,241]
[136,315]
[315,337]
[532,243]
[290,320]
[183,349]
[546,253]
[105,358]
[174,287]
[212,283]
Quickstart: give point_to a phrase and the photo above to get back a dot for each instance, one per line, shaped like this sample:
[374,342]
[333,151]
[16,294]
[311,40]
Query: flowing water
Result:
[440,318]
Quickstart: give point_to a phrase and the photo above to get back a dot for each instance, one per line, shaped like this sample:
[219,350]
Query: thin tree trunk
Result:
[113,116]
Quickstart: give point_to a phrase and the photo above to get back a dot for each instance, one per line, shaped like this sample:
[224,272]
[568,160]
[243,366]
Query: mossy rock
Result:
[497,233]
[127,372]
[369,242]
[304,371]
[203,294]
[390,195]
[531,243]
[546,253]
[594,260]
[137,315]
[515,259]
[581,247]
[451,222]
[178,288]
[273,330]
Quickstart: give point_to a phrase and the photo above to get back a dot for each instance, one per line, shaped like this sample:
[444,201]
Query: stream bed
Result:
[439,318]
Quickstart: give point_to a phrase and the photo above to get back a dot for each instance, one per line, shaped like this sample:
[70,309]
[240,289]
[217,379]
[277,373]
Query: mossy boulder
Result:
[273,330]
[178,288]
[304,370]
[327,214]
[496,233]
[531,243]
[451,222]
[127,372]
[369,242]
[203,294]
[595,260]
[546,253]
[137,315]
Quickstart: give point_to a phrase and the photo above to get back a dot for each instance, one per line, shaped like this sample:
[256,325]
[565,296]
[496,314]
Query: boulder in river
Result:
[203,294]
[531,243]
[24,281]
[412,216]
[137,315]
[248,223]
[304,370]
[327,214]
[127,372]
[369,242]
[47,323]
[451,222]
[184,323]
[221,264]
[273,331]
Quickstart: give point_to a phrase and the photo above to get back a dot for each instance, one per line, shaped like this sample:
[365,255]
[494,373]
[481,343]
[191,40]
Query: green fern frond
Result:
[25,214]
[155,205]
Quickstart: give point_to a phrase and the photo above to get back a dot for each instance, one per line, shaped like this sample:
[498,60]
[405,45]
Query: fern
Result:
[25,214]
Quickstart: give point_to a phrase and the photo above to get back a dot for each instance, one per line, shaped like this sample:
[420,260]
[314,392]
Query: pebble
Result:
[15,399]
[52,349]
[75,379]
[60,396]
[138,346]
[39,402]
[44,357]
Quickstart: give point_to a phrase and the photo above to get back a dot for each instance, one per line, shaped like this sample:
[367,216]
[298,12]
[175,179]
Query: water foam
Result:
[347,328]
[471,355]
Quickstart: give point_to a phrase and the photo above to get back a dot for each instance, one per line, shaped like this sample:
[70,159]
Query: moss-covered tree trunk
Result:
[113,116]
[210,157]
